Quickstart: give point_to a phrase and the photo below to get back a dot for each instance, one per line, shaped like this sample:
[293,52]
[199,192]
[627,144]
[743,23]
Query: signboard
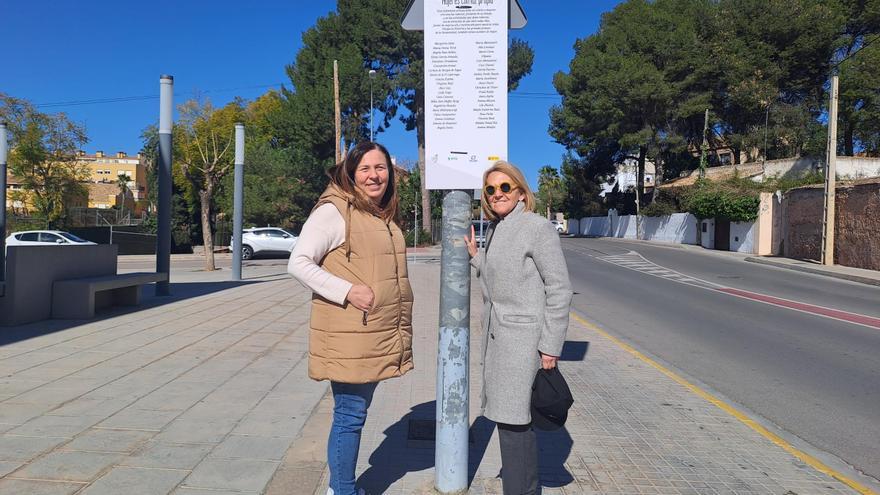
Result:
[465,90]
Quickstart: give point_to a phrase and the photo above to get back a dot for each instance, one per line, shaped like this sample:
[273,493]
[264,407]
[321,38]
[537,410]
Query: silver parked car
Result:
[265,240]
[45,238]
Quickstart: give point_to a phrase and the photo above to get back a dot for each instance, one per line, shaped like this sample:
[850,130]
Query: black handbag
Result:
[551,399]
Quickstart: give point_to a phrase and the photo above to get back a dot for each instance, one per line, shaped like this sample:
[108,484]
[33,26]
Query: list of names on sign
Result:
[465,90]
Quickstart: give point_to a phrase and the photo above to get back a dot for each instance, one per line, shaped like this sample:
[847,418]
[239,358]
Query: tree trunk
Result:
[205,197]
[640,188]
[848,138]
[658,177]
[426,197]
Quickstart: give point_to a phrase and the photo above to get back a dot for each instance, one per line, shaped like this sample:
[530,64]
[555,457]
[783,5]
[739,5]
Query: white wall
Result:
[626,227]
[679,228]
[742,237]
[857,167]
[595,226]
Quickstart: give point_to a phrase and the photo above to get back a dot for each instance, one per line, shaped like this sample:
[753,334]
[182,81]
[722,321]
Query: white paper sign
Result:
[465,90]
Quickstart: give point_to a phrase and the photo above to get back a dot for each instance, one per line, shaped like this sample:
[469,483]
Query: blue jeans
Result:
[349,415]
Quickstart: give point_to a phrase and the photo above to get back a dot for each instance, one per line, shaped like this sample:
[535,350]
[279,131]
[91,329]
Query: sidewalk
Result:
[870,277]
[206,393]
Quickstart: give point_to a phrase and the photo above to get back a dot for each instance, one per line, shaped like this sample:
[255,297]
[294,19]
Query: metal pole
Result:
[237,201]
[830,180]
[4,150]
[163,232]
[451,454]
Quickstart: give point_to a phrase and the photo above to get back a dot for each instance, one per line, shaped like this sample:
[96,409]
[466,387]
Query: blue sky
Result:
[74,51]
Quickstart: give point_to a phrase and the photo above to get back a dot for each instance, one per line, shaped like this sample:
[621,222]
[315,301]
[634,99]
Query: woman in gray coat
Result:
[526,299]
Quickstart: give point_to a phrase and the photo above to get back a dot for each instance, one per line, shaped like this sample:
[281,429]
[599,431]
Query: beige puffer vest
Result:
[344,344]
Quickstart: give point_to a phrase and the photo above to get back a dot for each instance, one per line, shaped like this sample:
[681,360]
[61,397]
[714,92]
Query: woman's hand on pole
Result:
[361,297]
[548,362]
[471,243]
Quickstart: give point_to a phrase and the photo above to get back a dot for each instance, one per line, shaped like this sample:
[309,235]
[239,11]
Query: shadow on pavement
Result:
[481,433]
[553,450]
[397,455]
[179,292]
[408,447]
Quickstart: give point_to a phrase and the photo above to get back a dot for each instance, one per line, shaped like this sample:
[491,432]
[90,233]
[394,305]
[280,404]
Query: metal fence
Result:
[98,217]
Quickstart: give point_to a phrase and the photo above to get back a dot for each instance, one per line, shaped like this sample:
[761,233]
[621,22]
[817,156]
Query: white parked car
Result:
[45,238]
[559,227]
[265,240]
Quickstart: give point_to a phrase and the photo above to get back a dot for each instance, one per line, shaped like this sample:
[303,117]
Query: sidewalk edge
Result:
[815,271]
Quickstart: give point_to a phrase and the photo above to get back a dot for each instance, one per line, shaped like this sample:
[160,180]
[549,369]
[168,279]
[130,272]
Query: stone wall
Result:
[803,229]
[857,232]
[857,242]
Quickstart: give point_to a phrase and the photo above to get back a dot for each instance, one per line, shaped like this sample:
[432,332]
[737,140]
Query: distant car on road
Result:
[45,238]
[265,240]
[558,225]
[480,239]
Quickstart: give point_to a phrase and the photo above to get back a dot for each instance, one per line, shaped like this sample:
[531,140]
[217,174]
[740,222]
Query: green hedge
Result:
[735,199]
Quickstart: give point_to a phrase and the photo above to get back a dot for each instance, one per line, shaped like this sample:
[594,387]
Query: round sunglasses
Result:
[504,187]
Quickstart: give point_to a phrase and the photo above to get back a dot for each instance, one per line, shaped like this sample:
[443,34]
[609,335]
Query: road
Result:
[806,359]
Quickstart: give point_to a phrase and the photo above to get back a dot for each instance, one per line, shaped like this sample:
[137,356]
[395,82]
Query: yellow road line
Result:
[804,457]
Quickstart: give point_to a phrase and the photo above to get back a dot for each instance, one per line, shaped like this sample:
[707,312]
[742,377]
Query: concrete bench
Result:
[78,298]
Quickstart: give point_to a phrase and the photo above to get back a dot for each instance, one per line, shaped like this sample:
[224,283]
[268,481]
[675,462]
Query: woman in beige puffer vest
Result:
[351,254]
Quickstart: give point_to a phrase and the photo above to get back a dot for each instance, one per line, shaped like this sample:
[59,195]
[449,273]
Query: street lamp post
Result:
[372,74]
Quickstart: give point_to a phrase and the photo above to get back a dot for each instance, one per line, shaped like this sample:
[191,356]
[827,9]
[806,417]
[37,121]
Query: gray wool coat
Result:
[526,300]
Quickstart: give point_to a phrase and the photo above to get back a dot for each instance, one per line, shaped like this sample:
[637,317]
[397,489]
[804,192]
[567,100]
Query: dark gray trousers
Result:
[519,459]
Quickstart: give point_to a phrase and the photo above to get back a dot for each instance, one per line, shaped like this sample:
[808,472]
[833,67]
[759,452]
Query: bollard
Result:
[237,201]
[4,148]
[451,453]
[163,232]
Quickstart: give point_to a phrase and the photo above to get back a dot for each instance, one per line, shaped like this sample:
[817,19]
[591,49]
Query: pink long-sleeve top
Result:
[323,232]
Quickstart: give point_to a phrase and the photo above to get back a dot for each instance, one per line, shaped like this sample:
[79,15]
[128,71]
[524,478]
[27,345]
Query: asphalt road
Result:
[816,377]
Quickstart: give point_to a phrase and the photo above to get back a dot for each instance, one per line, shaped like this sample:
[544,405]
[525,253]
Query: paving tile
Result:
[15,413]
[204,491]
[55,426]
[36,487]
[103,440]
[18,448]
[7,467]
[236,474]
[68,466]
[251,447]
[271,425]
[168,456]
[136,481]
[139,419]
[180,431]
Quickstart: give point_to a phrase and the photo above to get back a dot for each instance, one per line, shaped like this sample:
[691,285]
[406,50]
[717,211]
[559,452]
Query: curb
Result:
[816,271]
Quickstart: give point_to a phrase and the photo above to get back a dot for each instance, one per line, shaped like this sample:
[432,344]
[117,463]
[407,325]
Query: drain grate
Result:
[424,430]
